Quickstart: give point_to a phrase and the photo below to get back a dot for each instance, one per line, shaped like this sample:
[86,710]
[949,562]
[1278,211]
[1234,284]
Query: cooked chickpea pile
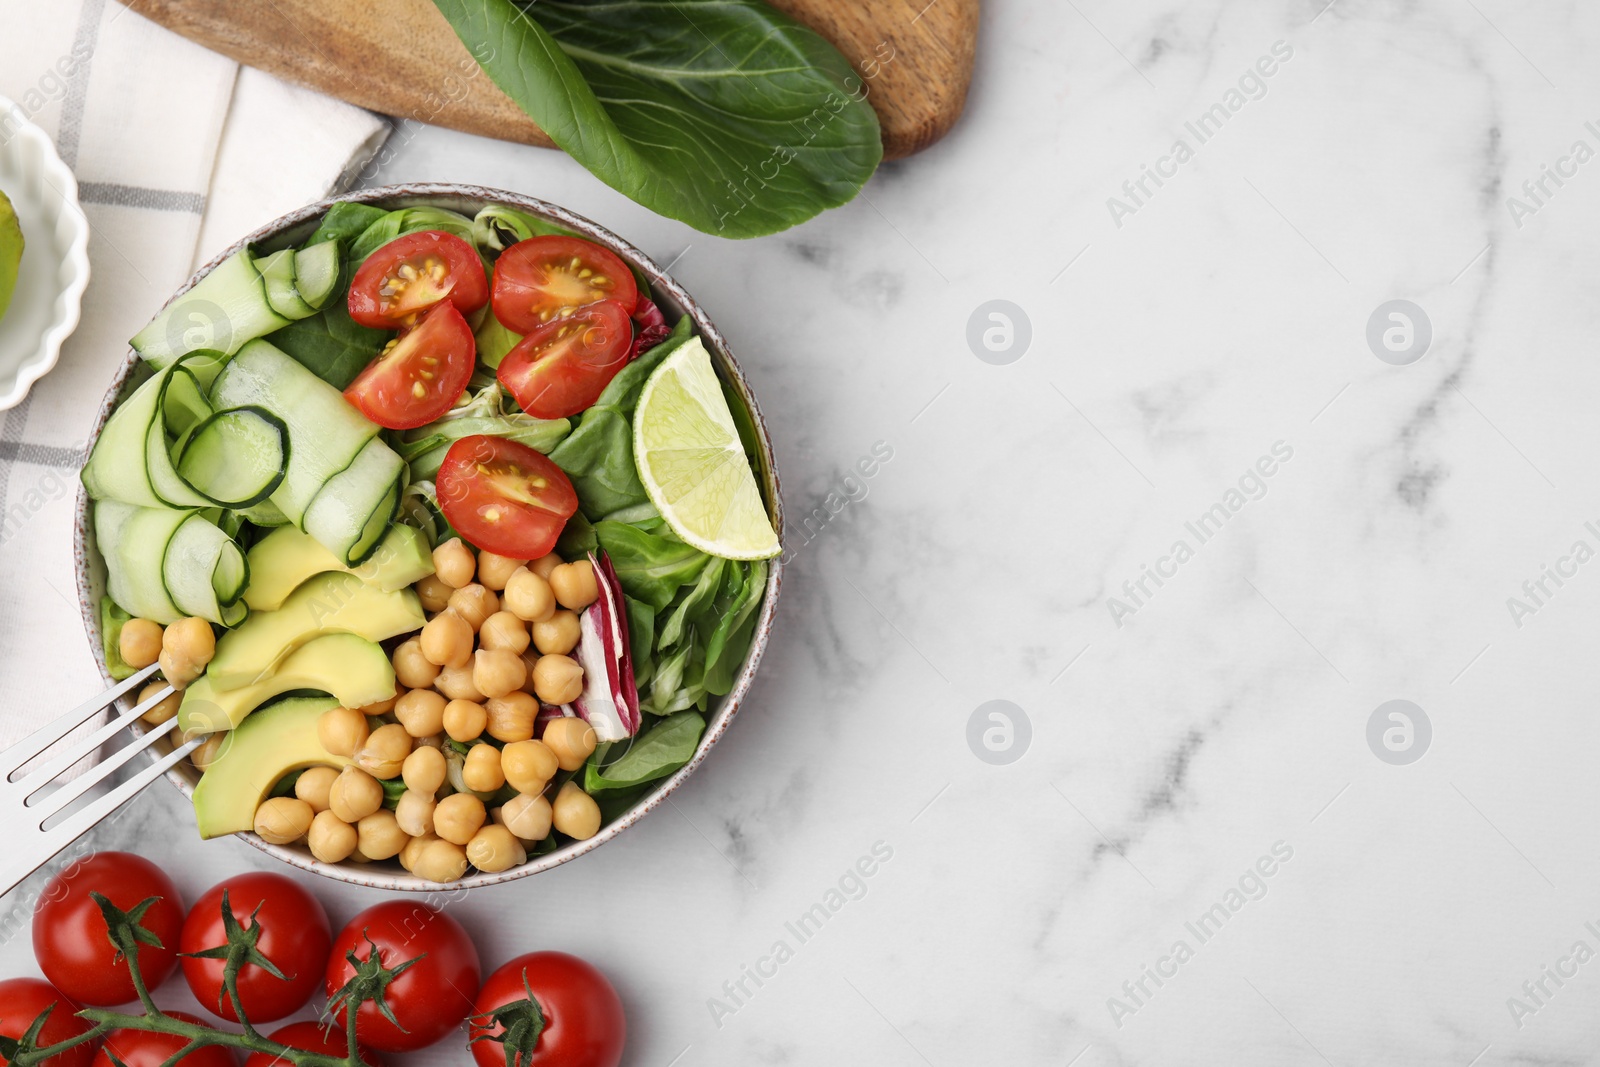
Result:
[498,641]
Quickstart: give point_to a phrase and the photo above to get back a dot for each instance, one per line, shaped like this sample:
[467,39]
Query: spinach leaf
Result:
[330,344]
[656,753]
[346,221]
[724,114]
[641,639]
[598,455]
[650,565]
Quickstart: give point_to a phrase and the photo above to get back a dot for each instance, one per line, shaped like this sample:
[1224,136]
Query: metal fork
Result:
[26,772]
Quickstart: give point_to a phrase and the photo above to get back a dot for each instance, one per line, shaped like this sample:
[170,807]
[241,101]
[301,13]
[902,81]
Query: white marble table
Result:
[1105,898]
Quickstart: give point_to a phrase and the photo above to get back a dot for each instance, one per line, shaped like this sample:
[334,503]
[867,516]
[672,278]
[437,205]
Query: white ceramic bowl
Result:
[55,259]
[675,301]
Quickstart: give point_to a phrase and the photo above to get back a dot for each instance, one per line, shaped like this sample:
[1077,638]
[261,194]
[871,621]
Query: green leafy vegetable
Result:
[331,345]
[485,411]
[598,456]
[406,220]
[724,114]
[656,753]
[650,565]
[112,619]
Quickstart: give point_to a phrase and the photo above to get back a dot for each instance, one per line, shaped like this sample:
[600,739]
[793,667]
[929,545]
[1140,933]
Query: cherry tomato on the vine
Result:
[411,274]
[295,935]
[313,1038]
[69,933]
[141,1048]
[583,1021]
[429,998]
[22,1000]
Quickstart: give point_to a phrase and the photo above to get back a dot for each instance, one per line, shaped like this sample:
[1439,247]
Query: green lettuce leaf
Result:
[724,114]
[656,753]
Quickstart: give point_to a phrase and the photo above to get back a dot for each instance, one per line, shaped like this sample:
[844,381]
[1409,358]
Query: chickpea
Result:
[421,712]
[447,640]
[503,630]
[527,816]
[495,570]
[190,641]
[453,563]
[545,564]
[408,855]
[529,766]
[440,861]
[572,740]
[558,634]
[384,706]
[379,835]
[494,849]
[331,838]
[497,672]
[474,603]
[414,813]
[433,593]
[557,679]
[424,771]
[574,584]
[511,717]
[456,683]
[314,785]
[283,820]
[204,756]
[575,813]
[179,673]
[140,643]
[385,751]
[165,710]
[355,794]
[481,772]
[412,668]
[528,596]
[341,731]
[457,817]
[464,720]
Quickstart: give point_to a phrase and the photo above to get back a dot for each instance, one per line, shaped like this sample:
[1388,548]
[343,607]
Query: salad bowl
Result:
[675,302]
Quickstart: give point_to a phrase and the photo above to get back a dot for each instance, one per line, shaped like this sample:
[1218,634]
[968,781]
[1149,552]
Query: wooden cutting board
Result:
[401,58]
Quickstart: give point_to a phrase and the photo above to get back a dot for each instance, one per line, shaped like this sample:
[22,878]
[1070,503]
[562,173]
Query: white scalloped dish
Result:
[55,260]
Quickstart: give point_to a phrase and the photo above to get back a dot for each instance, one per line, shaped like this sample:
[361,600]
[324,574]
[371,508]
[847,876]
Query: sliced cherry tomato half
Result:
[545,278]
[504,497]
[562,367]
[418,375]
[411,274]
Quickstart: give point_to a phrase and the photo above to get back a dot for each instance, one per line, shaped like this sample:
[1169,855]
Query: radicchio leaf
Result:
[610,700]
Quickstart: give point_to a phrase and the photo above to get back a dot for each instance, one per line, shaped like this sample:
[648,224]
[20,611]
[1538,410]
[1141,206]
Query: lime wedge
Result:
[691,461]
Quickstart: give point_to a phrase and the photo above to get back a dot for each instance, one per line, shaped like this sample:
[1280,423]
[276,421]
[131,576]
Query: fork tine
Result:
[47,735]
[47,772]
[58,801]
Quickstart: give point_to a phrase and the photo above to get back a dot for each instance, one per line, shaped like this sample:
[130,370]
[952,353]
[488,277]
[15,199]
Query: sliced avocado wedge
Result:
[10,252]
[283,560]
[326,604]
[354,670]
[276,741]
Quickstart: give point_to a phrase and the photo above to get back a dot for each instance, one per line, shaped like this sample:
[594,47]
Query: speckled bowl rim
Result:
[675,301]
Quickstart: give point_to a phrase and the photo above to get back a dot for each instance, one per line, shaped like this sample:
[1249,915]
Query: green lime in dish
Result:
[10,252]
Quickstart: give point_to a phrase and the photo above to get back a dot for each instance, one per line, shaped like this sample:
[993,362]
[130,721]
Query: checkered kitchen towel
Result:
[178,153]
